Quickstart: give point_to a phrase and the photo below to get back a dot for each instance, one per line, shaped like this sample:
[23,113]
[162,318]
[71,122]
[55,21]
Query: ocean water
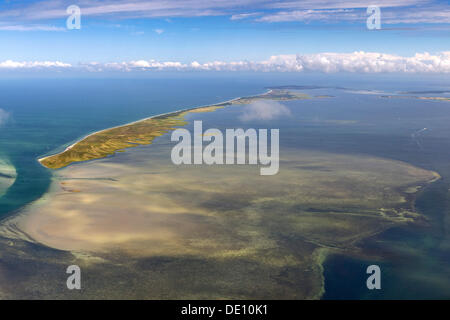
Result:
[46,115]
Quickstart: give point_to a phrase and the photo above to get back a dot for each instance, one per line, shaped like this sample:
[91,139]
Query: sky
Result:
[413,36]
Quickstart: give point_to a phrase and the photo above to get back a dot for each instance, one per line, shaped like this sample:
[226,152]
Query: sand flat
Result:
[148,209]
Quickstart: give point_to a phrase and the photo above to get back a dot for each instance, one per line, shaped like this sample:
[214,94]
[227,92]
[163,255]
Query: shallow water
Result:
[350,123]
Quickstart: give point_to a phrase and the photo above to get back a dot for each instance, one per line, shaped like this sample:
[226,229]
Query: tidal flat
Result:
[141,227]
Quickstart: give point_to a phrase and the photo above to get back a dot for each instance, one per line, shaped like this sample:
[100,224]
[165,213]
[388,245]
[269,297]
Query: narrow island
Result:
[418,97]
[142,132]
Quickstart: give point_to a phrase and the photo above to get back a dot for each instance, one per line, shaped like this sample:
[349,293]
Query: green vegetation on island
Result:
[107,142]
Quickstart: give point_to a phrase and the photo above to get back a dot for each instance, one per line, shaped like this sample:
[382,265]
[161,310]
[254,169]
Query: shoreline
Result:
[331,273]
[40,159]
[320,256]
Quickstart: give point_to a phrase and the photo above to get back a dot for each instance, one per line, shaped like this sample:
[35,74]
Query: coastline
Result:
[171,113]
[107,142]
[39,220]
[385,246]
[320,257]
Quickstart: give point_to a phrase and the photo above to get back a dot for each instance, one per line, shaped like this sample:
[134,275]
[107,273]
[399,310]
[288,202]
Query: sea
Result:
[41,116]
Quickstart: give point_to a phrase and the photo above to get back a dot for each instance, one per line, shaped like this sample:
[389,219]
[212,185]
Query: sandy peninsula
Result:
[107,142]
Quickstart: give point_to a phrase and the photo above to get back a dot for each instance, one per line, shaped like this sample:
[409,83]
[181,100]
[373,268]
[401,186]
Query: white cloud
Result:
[417,10]
[159,31]
[264,110]
[329,62]
[417,15]
[4,117]
[52,9]
[388,16]
[372,62]
[10,64]
[332,15]
[361,62]
[33,27]
[333,4]
[241,16]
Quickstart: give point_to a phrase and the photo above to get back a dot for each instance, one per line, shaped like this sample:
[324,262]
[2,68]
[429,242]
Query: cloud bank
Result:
[264,110]
[4,116]
[10,64]
[329,62]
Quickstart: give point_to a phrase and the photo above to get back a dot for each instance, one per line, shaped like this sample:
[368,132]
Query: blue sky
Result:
[121,32]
